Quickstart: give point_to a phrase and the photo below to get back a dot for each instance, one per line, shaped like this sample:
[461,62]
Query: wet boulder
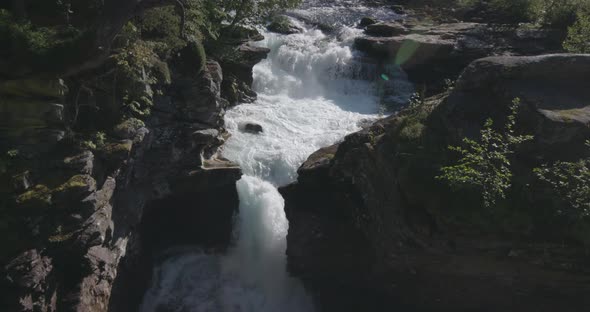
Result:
[253,128]
[283,25]
[386,29]
[366,21]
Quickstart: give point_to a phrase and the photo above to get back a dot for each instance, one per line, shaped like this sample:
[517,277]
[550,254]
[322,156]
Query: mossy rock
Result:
[37,197]
[161,72]
[34,88]
[115,153]
[192,59]
[74,190]
[128,128]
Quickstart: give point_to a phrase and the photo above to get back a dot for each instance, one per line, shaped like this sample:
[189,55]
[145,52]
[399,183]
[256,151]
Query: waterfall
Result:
[307,99]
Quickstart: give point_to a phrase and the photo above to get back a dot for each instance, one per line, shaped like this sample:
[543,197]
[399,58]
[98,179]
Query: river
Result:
[309,96]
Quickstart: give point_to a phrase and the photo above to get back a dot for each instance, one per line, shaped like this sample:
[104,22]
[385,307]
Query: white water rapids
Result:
[306,100]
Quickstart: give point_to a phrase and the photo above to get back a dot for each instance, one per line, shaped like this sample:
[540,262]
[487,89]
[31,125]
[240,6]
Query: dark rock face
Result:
[369,227]
[238,76]
[76,212]
[178,191]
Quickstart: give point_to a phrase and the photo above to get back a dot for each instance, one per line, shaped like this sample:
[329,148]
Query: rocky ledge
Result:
[370,228]
[434,52]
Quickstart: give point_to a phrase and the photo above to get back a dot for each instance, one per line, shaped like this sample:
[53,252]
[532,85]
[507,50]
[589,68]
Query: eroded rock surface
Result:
[370,227]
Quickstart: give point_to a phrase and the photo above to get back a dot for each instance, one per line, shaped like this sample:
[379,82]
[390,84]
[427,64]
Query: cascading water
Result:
[307,99]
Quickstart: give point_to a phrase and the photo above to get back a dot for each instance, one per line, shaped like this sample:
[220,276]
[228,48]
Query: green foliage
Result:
[571,182]
[95,141]
[41,48]
[513,11]
[578,35]
[162,25]
[136,68]
[485,164]
[412,131]
[254,11]
[557,13]
[413,118]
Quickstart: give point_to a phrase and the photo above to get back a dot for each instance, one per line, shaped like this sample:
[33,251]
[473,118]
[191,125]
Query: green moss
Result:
[59,236]
[38,196]
[163,25]
[161,72]
[75,182]
[412,131]
[129,125]
[39,48]
[93,141]
[117,151]
[193,58]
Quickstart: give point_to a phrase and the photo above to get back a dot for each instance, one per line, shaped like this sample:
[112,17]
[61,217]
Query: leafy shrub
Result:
[254,11]
[556,13]
[510,11]
[578,35]
[135,68]
[571,182]
[96,140]
[39,48]
[162,25]
[485,164]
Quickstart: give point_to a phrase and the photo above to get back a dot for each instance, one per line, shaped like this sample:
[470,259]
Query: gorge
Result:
[195,164]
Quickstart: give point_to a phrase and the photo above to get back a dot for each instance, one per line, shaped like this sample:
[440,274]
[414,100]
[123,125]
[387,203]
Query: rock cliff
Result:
[371,228]
[102,167]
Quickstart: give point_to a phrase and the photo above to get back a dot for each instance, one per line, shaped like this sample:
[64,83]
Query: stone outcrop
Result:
[74,209]
[433,53]
[237,67]
[555,104]
[370,228]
